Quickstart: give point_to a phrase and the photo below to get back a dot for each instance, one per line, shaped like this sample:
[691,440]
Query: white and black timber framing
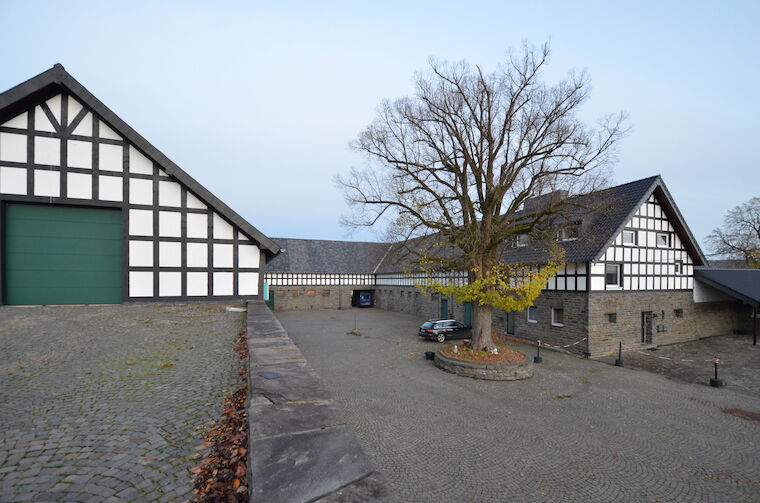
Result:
[60,145]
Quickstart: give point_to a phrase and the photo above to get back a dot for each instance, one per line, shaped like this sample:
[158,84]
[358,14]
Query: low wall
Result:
[485,371]
[299,447]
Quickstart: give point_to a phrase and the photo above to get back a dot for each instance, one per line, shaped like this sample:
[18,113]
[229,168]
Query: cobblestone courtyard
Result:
[104,403]
[579,430]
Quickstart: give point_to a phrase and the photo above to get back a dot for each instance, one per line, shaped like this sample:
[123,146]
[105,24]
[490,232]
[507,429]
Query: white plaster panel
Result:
[20,121]
[626,268]
[248,283]
[222,255]
[197,225]
[169,284]
[635,255]
[627,254]
[169,194]
[689,283]
[650,283]
[140,284]
[111,157]
[197,255]
[561,283]
[194,202]
[170,224]
[54,104]
[650,269]
[47,183]
[570,267]
[609,254]
[597,283]
[74,108]
[162,173]
[248,256]
[222,229]
[169,254]
[47,151]
[78,186]
[79,154]
[552,285]
[141,253]
[140,191]
[242,238]
[138,163]
[582,283]
[626,283]
[12,180]
[84,128]
[110,188]
[197,284]
[619,239]
[597,268]
[107,132]
[223,283]
[571,283]
[141,222]
[41,121]
[618,254]
[650,255]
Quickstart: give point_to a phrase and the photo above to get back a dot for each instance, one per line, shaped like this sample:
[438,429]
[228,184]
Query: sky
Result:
[258,101]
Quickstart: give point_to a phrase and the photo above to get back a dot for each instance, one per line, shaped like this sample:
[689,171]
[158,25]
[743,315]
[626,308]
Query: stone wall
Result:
[575,325]
[697,321]
[410,300]
[744,320]
[305,298]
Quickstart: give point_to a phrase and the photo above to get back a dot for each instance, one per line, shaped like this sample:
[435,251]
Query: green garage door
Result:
[62,255]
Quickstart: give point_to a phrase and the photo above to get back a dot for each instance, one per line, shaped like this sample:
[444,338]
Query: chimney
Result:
[543,201]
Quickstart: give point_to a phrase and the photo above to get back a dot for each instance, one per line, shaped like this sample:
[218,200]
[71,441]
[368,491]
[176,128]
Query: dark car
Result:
[440,330]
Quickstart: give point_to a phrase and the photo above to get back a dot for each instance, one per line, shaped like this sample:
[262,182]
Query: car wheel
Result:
[441,338]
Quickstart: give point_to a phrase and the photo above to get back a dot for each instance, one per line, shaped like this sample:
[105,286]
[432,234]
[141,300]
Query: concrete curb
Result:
[486,371]
[299,447]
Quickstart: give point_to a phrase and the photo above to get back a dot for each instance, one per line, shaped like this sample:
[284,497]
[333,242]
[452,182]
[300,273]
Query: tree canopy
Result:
[739,238]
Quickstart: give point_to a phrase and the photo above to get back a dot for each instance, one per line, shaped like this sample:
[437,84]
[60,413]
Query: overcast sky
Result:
[258,100]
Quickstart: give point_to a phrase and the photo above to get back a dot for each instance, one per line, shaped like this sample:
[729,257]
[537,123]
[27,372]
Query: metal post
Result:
[537,358]
[715,382]
[619,361]
[754,326]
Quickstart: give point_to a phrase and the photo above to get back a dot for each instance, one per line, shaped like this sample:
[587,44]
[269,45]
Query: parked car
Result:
[441,330]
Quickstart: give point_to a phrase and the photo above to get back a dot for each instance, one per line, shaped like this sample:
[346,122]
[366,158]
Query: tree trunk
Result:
[482,337]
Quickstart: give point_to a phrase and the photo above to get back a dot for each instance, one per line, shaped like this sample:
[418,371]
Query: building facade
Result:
[91,212]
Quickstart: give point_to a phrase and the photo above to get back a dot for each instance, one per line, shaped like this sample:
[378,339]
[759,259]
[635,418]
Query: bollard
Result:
[537,358]
[619,361]
[715,382]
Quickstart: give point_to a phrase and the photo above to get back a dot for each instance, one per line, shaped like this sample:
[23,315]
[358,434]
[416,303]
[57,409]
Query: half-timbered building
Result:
[91,212]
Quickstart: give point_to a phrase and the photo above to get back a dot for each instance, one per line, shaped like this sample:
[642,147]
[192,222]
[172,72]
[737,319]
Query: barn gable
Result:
[62,148]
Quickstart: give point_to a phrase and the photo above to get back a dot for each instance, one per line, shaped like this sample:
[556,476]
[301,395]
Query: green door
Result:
[444,308]
[62,255]
[468,314]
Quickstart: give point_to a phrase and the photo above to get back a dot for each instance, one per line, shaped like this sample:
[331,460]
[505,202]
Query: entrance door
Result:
[646,327]
[62,254]
[468,314]
[511,323]
[444,308]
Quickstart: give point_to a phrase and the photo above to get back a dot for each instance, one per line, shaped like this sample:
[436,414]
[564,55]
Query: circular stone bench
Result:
[487,371]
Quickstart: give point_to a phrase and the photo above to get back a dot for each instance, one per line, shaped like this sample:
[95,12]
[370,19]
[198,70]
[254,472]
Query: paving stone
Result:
[579,430]
[109,386]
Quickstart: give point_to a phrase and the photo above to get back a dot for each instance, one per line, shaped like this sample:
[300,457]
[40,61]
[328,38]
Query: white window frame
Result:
[633,234]
[667,239]
[679,268]
[535,310]
[619,283]
[554,311]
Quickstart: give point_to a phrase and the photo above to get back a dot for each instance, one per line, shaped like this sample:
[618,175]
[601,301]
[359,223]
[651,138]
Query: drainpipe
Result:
[754,326]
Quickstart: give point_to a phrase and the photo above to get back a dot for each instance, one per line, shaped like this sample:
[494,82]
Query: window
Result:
[663,239]
[679,267]
[533,314]
[678,313]
[612,275]
[558,317]
[522,240]
[611,317]
[568,233]
[629,237]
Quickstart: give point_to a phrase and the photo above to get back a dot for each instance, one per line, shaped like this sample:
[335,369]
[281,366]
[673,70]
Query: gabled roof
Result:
[743,284]
[56,79]
[605,214]
[321,256]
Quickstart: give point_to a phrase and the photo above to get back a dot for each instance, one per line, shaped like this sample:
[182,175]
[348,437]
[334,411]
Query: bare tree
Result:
[458,159]
[740,236]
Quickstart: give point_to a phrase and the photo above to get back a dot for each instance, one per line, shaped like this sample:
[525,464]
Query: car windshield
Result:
[428,324]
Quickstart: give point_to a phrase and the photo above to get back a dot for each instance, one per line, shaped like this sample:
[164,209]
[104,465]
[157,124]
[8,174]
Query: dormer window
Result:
[568,233]
[522,240]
